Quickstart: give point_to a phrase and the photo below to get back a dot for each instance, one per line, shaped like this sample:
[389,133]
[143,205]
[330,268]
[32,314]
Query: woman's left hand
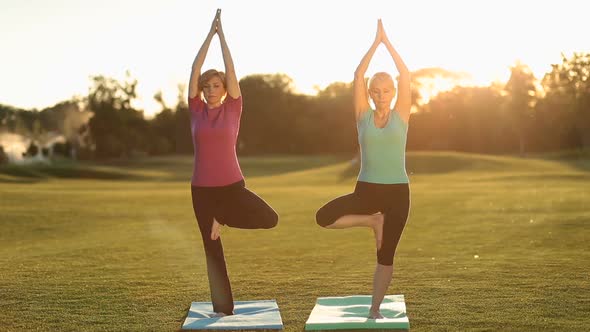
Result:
[384,38]
[219,28]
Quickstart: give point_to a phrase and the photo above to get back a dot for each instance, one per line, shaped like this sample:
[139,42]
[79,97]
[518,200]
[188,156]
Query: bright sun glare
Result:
[314,42]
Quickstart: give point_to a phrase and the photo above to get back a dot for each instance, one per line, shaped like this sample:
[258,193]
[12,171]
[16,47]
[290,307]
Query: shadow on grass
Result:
[19,180]
[537,178]
[578,159]
[275,165]
[170,168]
[39,172]
[179,168]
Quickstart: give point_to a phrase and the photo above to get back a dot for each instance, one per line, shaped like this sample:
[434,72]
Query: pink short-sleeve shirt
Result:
[215,133]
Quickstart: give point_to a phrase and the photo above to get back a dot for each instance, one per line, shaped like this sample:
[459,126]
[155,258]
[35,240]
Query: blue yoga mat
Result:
[248,315]
[351,312]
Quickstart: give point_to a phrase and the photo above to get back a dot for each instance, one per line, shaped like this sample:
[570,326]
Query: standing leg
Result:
[221,294]
[241,208]
[396,214]
[381,281]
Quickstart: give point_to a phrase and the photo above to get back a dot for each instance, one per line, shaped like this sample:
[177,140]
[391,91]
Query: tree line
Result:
[523,115]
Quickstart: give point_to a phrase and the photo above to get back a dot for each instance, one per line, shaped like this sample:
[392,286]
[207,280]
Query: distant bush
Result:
[32,150]
[3,156]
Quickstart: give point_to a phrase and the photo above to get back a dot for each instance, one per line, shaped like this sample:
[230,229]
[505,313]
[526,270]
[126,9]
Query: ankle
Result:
[377,219]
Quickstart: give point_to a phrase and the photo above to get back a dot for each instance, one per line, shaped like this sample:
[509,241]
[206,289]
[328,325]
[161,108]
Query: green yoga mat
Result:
[248,315]
[351,312]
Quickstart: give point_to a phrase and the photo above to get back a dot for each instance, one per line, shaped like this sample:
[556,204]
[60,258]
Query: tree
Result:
[567,89]
[268,114]
[465,119]
[182,134]
[117,128]
[163,127]
[66,120]
[331,115]
[521,98]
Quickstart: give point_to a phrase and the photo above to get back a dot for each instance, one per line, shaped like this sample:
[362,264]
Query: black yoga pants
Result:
[392,200]
[235,206]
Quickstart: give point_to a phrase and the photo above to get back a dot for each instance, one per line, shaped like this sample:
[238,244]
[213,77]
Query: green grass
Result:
[492,244]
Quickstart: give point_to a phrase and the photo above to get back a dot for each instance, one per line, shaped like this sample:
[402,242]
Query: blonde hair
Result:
[209,74]
[383,77]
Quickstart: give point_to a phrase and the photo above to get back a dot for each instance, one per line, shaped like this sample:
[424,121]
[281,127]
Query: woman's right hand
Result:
[384,38]
[219,27]
[213,29]
[380,32]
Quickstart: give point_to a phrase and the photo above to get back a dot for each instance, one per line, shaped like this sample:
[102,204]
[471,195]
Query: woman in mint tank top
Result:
[381,198]
[218,189]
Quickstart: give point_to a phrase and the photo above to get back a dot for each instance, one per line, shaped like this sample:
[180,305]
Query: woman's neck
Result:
[382,111]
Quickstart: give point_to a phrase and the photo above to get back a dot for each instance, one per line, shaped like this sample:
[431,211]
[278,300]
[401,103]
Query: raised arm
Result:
[403,103]
[232,84]
[193,87]
[361,98]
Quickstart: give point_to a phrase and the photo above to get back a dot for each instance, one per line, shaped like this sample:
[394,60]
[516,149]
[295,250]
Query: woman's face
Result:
[213,91]
[382,93]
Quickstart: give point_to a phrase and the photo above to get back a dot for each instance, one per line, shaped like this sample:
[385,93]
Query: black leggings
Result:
[393,200]
[235,206]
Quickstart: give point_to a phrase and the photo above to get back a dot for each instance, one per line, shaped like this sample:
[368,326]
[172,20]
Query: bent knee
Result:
[272,220]
[322,219]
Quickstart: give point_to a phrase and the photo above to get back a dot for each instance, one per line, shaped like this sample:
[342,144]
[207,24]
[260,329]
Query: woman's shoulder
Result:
[195,104]
[233,104]
[230,99]
[362,117]
[399,118]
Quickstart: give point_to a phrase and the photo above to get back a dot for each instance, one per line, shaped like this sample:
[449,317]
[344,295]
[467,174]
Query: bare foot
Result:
[218,314]
[215,230]
[375,314]
[378,229]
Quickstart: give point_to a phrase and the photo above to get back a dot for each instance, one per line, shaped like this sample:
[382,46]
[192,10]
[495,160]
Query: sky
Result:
[50,49]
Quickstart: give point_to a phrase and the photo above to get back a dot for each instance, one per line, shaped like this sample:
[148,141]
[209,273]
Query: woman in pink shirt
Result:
[218,189]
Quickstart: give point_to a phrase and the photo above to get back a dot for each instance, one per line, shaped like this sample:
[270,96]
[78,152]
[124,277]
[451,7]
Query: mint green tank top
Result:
[383,150]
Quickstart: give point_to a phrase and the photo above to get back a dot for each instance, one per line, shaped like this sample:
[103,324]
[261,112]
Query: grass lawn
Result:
[493,244]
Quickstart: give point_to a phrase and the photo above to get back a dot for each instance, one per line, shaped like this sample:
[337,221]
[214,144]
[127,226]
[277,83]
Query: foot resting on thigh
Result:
[378,229]
[215,230]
